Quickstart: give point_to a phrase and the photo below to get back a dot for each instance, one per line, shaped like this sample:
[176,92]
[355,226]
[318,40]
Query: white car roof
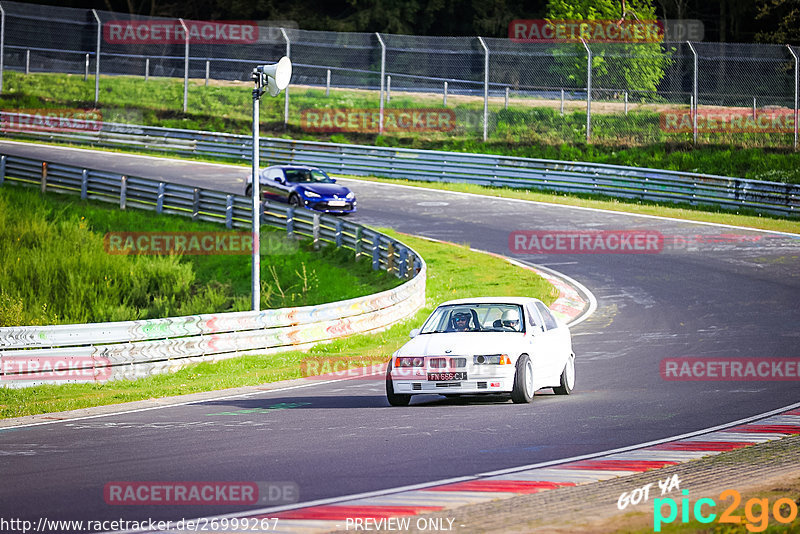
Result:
[491,300]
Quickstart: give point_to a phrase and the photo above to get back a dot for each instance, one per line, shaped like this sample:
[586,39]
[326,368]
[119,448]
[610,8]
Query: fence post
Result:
[485,88]
[97,58]
[507,97]
[562,102]
[44,176]
[229,211]
[588,91]
[185,65]
[27,62]
[146,69]
[2,44]
[796,83]
[388,89]
[444,95]
[328,83]
[2,169]
[695,102]
[123,192]
[160,198]
[383,72]
[286,91]
[86,69]
[84,184]
[626,102]
[208,70]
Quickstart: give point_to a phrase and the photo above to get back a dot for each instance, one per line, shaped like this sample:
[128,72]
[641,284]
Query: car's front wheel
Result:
[567,377]
[523,381]
[395,399]
[294,201]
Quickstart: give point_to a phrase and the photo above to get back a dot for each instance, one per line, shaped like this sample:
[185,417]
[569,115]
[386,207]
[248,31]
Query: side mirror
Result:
[279,179]
[333,180]
[414,333]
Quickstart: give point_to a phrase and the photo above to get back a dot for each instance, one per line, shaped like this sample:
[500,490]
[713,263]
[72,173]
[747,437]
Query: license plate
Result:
[337,203]
[446,377]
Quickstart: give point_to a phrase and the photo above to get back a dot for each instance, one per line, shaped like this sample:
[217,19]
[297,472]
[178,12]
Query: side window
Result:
[549,321]
[533,318]
[274,173]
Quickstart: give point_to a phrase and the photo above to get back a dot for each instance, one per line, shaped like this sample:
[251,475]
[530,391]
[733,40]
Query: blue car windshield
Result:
[304,176]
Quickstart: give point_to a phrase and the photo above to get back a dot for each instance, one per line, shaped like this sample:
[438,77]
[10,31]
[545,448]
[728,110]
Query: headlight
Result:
[351,195]
[491,359]
[409,361]
[311,194]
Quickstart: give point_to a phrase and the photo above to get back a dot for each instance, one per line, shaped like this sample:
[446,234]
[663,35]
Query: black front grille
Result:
[481,385]
[416,386]
[448,384]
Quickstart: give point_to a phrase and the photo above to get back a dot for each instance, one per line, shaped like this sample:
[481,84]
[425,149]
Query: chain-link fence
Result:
[439,87]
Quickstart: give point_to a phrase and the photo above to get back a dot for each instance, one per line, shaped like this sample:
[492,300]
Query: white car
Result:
[479,346]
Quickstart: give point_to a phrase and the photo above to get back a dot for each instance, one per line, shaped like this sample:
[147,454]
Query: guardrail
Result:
[435,166]
[133,349]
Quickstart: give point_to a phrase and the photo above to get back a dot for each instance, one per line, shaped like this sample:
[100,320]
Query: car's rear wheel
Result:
[567,377]
[248,192]
[395,399]
[523,381]
[294,201]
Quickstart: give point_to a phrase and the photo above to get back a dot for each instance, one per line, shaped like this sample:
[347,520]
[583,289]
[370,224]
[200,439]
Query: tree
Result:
[784,17]
[630,66]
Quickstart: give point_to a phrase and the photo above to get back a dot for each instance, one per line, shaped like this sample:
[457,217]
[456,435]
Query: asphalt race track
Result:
[714,292]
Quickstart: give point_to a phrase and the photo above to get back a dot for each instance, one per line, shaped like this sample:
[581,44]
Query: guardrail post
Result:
[123,192]
[84,184]
[383,73]
[401,272]
[390,257]
[290,221]
[229,211]
[485,88]
[2,169]
[195,204]
[315,231]
[337,236]
[358,242]
[97,58]
[328,83]
[44,176]
[376,252]
[160,198]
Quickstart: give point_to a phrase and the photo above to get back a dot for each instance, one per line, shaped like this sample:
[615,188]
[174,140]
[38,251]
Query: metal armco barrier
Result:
[436,166]
[135,349]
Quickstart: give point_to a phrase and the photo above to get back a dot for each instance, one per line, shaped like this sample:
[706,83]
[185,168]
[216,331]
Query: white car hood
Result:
[461,343]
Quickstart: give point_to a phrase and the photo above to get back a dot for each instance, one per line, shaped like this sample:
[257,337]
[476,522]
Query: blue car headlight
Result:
[311,194]
[351,195]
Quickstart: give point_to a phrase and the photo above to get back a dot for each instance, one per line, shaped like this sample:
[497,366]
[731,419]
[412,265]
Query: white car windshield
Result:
[475,318]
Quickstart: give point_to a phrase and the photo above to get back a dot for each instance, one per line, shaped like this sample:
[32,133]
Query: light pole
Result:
[275,78]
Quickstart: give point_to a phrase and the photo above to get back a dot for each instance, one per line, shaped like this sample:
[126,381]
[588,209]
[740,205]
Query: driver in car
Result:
[460,321]
[510,319]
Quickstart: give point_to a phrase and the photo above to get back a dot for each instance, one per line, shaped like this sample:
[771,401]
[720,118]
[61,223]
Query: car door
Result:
[555,334]
[271,186]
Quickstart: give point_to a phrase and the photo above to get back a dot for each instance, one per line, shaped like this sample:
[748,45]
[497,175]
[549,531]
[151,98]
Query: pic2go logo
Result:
[756,511]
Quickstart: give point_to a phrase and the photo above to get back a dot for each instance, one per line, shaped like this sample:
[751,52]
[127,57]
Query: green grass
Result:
[528,128]
[453,272]
[55,269]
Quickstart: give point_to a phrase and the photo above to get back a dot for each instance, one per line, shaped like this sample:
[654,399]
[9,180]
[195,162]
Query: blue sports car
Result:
[304,186]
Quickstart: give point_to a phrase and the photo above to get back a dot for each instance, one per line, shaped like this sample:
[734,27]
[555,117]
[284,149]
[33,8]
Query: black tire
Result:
[523,381]
[295,201]
[248,192]
[567,377]
[395,399]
